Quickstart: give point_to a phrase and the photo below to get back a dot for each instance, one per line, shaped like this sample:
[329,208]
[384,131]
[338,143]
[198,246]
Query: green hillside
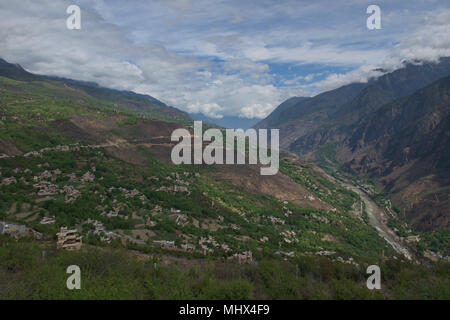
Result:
[70,157]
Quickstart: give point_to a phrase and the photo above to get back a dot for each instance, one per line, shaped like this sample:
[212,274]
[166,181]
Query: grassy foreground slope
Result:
[32,271]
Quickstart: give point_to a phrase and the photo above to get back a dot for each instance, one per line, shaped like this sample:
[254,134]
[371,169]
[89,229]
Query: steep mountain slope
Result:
[389,129]
[16,72]
[277,116]
[101,92]
[93,93]
[311,123]
[383,90]
[300,116]
[406,143]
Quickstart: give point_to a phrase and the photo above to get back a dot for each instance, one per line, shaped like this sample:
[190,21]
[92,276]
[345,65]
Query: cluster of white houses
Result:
[68,239]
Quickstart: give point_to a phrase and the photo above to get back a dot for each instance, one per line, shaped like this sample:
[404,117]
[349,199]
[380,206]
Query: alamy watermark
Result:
[74,281]
[235,146]
[374,20]
[73,22]
[374,281]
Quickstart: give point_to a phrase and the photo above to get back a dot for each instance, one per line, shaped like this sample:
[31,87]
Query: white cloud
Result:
[216,57]
[427,43]
[245,66]
[256,110]
[335,80]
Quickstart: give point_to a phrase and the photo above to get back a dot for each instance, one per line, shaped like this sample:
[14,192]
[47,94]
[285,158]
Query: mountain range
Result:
[97,161]
[394,129]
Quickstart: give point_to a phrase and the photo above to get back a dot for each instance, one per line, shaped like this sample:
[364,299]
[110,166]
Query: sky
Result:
[222,58]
